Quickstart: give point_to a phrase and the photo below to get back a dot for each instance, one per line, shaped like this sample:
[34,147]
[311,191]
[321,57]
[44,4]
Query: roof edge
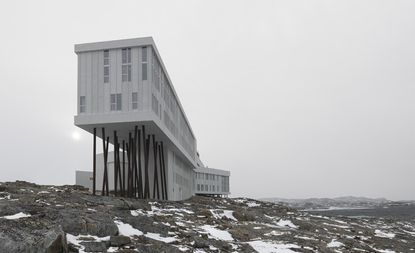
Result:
[96,46]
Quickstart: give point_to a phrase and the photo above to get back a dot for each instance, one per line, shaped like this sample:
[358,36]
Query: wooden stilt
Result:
[164,170]
[155,179]
[94,162]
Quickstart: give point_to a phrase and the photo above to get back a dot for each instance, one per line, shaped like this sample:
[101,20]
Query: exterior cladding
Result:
[155,97]
[122,84]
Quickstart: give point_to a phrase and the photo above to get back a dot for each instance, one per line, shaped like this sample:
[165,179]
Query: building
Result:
[126,98]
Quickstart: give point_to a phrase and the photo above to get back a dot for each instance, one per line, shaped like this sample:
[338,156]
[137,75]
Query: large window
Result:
[106,66]
[116,100]
[126,65]
[144,61]
[134,100]
[82,104]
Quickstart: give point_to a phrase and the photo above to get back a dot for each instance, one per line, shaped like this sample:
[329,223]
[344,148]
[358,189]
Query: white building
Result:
[126,98]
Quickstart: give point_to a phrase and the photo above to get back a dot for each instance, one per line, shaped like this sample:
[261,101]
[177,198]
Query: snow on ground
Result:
[252,204]
[286,223]
[334,244]
[16,216]
[384,250]
[126,229]
[270,247]
[380,233]
[219,214]
[157,237]
[76,240]
[217,233]
[43,192]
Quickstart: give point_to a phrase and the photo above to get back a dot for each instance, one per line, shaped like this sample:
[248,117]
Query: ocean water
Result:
[402,212]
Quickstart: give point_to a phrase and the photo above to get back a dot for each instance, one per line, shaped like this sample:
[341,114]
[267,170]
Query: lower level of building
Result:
[181,180]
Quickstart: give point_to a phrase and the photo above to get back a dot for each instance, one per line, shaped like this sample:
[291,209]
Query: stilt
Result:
[123,168]
[105,142]
[161,172]
[115,165]
[164,171]
[156,180]
[146,144]
[140,176]
[94,162]
[135,162]
[129,166]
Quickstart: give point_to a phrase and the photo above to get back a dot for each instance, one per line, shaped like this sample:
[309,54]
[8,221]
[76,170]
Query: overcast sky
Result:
[296,98]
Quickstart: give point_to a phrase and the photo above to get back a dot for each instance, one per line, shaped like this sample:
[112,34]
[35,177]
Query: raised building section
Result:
[126,98]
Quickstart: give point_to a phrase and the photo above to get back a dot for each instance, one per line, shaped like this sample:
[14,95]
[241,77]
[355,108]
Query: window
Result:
[198,187]
[213,188]
[106,66]
[134,100]
[144,62]
[126,65]
[116,102]
[82,104]
[202,187]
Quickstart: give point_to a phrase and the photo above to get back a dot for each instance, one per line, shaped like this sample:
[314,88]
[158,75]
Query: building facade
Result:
[126,99]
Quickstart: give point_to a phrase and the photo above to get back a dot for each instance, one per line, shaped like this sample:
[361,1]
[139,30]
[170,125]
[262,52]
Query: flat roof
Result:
[133,42]
[213,171]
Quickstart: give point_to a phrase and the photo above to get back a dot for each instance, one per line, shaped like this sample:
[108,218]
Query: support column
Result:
[123,168]
[156,180]
[115,165]
[164,170]
[105,142]
[94,162]
[146,144]
[140,176]
[161,172]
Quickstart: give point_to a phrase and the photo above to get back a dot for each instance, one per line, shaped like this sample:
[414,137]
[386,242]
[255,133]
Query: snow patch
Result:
[334,244]
[157,237]
[269,247]
[126,229]
[252,204]
[16,216]
[286,223]
[380,233]
[76,240]
[217,233]
[219,214]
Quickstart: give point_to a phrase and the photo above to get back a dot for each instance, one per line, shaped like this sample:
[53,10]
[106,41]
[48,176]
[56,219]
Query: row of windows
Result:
[125,64]
[208,188]
[207,176]
[115,102]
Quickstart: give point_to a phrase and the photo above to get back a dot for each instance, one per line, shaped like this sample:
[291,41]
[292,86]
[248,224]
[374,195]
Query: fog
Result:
[296,98]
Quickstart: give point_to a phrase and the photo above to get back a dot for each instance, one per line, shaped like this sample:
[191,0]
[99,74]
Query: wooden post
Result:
[164,170]
[161,172]
[115,164]
[123,168]
[94,162]
[156,180]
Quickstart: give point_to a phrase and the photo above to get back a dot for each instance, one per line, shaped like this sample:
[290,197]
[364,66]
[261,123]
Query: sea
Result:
[402,212]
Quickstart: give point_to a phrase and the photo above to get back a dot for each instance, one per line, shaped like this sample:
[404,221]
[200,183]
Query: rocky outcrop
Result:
[36,218]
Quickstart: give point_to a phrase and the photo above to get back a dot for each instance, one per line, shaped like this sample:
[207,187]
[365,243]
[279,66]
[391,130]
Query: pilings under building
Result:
[126,100]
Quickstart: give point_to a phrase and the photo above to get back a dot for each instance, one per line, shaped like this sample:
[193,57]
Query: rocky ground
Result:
[36,218]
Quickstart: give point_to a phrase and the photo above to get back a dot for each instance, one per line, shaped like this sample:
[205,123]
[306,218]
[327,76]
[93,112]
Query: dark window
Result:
[82,104]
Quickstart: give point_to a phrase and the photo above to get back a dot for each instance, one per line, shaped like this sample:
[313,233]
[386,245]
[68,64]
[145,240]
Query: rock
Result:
[119,240]
[94,246]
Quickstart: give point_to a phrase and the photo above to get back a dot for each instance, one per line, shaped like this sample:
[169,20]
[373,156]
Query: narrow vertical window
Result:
[116,102]
[82,104]
[144,63]
[113,102]
[106,66]
[134,100]
[126,65]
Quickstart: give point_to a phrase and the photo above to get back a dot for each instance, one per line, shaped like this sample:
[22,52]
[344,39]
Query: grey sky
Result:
[295,98]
